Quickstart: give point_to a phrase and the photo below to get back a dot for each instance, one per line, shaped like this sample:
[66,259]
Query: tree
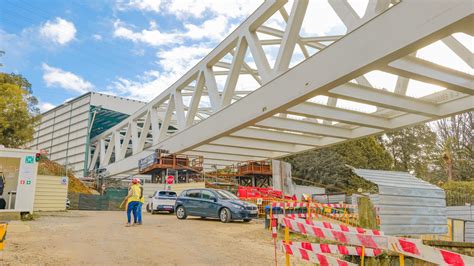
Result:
[413,149]
[328,166]
[456,141]
[367,153]
[1,54]
[18,111]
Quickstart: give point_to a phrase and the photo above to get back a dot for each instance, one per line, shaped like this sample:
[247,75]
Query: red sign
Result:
[169,179]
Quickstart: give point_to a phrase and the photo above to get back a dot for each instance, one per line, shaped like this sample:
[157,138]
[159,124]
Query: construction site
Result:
[299,168]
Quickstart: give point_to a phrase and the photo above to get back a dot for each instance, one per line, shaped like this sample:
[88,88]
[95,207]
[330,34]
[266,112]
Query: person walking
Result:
[133,198]
[140,204]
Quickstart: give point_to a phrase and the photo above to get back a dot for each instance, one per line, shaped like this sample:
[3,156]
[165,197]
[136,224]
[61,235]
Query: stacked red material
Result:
[244,192]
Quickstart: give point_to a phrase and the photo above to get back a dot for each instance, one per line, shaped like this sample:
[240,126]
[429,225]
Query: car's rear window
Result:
[167,193]
[193,194]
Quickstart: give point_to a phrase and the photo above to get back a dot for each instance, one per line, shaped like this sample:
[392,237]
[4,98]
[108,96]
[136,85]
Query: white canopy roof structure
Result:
[270,89]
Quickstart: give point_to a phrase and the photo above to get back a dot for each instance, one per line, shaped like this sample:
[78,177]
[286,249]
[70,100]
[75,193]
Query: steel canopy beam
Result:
[420,69]
[305,127]
[363,94]
[225,157]
[280,136]
[260,144]
[340,115]
[238,151]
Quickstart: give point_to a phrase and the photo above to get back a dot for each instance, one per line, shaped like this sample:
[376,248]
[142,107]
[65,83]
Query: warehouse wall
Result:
[63,131]
[51,193]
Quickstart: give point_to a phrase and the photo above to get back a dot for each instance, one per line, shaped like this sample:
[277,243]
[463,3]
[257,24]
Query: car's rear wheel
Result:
[247,220]
[148,208]
[181,213]
[153,209]
[224,215]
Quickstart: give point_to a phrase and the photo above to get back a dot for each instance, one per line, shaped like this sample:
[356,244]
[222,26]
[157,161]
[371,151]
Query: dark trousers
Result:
[132,207]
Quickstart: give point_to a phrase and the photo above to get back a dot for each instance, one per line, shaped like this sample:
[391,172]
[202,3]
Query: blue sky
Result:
[131,48]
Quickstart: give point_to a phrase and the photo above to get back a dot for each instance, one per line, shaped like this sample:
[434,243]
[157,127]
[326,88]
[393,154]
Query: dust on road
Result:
[87,237]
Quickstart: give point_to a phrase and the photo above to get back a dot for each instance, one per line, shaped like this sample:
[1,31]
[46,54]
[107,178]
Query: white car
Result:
[162,200]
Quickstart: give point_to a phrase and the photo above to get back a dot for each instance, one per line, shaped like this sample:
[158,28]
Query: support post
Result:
[402,260]
[287,241]
[362,256]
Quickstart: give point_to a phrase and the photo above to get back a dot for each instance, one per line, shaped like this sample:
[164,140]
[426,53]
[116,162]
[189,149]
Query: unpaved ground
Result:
[86,237]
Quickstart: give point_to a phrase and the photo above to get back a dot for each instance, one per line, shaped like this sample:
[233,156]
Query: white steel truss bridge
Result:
[303,86]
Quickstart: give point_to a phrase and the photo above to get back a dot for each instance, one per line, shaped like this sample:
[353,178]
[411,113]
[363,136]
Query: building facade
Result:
[64,132]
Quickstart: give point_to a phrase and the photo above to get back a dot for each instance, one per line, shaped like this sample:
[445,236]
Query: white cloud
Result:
[97,37]
[174,62]
[45,106]
[216,29]
[145,5]
[59,31]
[56,77]
[150,36]
[192,8]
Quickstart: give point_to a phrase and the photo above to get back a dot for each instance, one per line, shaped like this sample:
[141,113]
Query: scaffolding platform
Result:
[162,160]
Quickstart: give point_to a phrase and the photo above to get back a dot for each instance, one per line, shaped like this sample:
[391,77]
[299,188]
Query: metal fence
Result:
[110,201]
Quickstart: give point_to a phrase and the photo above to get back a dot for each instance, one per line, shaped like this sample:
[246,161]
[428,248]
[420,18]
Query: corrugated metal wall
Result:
[407,205]
[330,198]
[460,212]
[465,213]
[51,193]
[469,231]
[309,190]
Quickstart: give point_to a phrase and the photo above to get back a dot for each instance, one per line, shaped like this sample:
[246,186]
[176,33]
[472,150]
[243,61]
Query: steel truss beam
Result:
[250,128]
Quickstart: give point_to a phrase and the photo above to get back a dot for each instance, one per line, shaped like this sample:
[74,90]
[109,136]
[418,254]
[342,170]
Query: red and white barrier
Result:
[341,215]
[416,249]
[291,215]
[410,247]
[336,249]
[319,258]
[312,205]
[340,227]
[274,228]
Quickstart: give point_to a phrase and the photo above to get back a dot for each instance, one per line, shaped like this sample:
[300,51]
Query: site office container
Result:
[19,168]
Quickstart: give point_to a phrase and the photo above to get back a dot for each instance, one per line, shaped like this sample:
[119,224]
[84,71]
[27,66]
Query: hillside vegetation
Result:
[47,167]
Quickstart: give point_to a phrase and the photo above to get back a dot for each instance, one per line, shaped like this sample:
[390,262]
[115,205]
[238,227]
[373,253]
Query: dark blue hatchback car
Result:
[214,203]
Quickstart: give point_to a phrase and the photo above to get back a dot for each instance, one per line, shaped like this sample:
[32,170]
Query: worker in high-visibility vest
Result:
[140,204]
[133,199]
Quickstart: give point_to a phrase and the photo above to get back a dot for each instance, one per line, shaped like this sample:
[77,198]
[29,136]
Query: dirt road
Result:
[84,237]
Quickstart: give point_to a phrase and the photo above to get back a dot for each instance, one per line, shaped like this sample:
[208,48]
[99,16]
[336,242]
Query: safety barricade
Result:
[404,246]
[342,212]
[340,227]
[335,249]
[297,204]
[319,258]
[3,234]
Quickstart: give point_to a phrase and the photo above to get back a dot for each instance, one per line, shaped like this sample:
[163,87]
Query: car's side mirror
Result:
[214,199]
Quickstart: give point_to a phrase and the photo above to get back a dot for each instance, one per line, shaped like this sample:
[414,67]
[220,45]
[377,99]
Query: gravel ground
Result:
[88,237]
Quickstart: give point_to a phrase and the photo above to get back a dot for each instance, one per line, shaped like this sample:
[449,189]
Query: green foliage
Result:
[367,153]
[328,166]
[456,143]
[18,111]
[459,192]
[413,149]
